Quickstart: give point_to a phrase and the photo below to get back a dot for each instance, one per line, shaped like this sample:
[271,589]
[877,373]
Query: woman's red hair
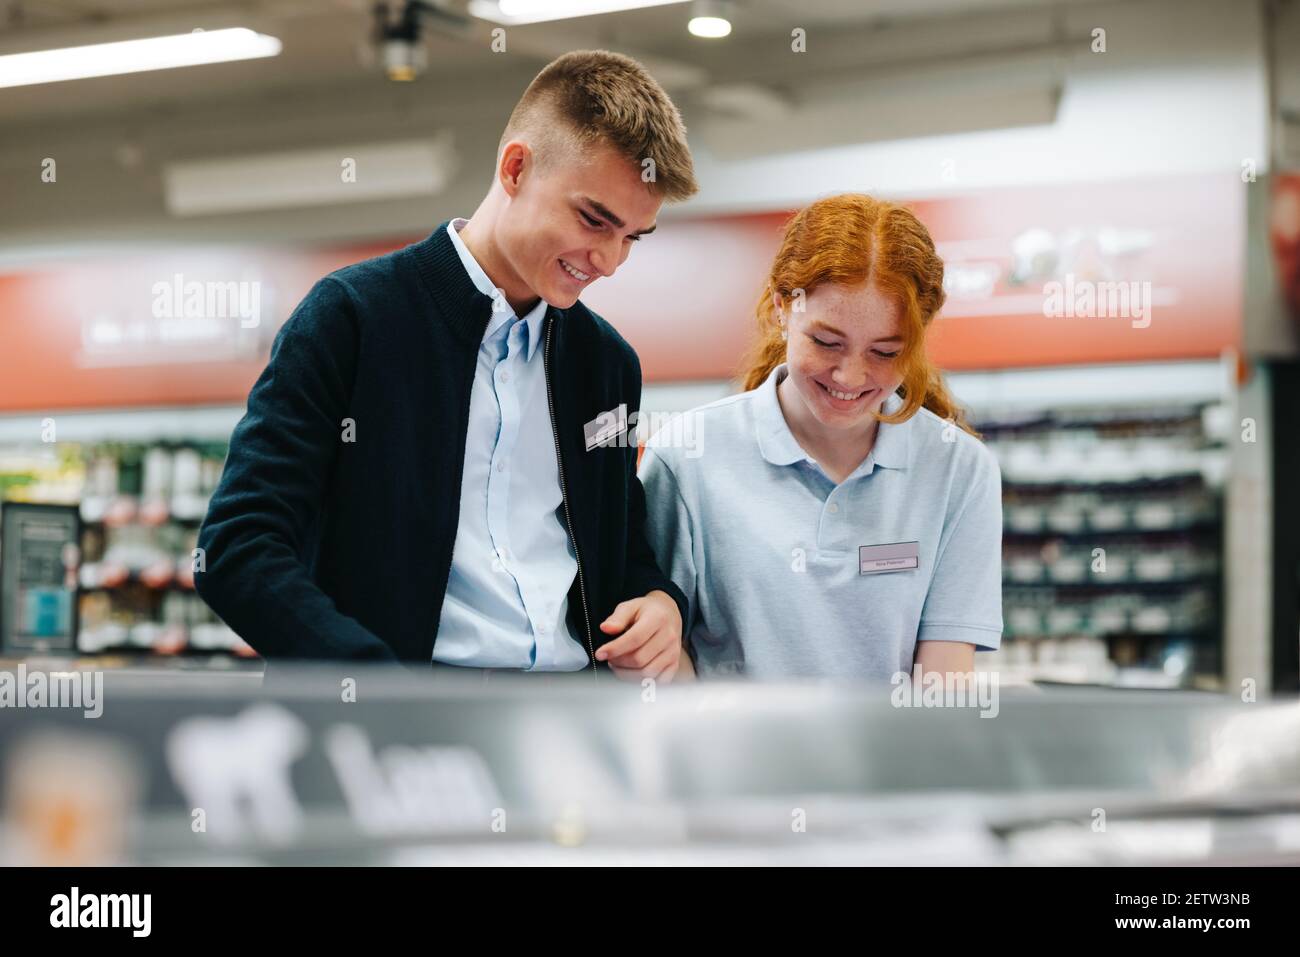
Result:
[851,239]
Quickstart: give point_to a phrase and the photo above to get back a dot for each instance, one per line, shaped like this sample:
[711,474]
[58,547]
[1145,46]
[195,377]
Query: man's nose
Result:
[607,257]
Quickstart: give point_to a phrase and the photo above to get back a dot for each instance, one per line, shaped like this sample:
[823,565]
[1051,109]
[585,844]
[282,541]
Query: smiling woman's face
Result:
[842,353]
[574,221]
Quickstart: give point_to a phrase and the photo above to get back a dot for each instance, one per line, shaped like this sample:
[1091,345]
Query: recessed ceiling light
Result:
[710,19]
[539,11]
[135,56]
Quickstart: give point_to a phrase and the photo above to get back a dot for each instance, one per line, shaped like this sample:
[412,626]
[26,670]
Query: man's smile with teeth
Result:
[575,273]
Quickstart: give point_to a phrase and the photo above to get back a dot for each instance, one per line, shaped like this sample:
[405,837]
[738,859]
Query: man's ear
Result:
[516,162]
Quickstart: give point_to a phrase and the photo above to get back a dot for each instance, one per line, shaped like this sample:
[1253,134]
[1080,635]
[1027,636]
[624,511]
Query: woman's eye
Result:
[823,344]
[887,355]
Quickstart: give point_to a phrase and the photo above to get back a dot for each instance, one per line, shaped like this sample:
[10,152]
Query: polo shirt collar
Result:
[893,446]
[502,314]
[778,445]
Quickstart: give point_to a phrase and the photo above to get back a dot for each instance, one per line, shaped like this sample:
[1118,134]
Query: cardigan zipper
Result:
[564,493]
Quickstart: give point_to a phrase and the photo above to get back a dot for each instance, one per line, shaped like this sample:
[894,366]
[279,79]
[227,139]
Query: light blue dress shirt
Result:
[513,563]
[765,545]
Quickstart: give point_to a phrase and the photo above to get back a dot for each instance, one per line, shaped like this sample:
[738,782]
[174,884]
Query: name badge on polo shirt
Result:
[605,426]
[894,557]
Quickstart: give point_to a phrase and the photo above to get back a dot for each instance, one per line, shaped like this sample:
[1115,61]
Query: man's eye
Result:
[591,220]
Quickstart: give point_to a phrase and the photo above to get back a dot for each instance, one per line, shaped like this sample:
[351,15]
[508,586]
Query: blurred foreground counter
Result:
[377,765]
[182,672]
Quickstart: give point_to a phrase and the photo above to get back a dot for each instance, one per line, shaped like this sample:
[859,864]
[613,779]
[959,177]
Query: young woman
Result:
[839,518]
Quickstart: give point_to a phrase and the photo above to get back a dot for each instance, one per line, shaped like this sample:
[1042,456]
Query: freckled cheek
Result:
[805,370]
[888,376]
[807,362]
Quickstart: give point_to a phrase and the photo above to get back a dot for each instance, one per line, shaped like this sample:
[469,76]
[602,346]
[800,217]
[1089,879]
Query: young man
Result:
[431,467]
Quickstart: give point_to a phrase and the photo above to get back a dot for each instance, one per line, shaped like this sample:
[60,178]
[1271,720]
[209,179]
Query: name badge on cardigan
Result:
[894,557]
[605,426]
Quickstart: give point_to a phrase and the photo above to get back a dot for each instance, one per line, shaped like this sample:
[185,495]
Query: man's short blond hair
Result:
[594,96]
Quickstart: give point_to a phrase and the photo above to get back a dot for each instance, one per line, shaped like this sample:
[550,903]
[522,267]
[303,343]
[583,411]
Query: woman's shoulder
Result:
[717,430]
[967,453]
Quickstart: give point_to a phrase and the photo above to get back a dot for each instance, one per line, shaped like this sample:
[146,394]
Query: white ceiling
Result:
[875,69]
[325,41]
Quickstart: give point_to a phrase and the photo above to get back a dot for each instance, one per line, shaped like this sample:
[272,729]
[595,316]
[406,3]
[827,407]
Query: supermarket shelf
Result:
[1146,384]
[174,424]
[1110,535]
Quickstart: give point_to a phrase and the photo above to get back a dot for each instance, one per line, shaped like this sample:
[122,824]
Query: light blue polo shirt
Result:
[766,546]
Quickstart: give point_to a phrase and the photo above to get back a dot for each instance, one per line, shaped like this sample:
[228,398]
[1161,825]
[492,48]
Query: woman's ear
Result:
[778,307]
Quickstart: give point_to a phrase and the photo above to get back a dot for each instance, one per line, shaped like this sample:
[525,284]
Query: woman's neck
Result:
[838,451]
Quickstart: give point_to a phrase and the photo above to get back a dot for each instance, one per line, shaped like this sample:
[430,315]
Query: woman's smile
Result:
[844,401]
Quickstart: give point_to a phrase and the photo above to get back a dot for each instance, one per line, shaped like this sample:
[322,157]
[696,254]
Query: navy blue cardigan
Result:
[317,547]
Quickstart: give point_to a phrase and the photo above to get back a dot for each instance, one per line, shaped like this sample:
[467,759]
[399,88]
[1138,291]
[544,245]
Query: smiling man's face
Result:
[574,220]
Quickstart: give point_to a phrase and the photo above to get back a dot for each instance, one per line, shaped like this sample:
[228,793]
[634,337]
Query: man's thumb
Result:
[621,617]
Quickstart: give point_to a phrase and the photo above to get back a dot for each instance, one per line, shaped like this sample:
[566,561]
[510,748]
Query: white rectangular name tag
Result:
[605,426]
[894,557]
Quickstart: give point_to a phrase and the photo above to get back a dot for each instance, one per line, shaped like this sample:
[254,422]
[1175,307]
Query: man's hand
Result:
[650,638]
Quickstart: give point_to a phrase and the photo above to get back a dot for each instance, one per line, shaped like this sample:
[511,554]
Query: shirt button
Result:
[541,629]
[501,466]
[832,508]
[505,376]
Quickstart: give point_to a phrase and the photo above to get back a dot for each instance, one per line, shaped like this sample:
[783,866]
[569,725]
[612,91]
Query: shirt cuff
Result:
[984,639]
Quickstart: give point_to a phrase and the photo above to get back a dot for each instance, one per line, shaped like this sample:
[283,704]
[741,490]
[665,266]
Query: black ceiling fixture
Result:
[397,35]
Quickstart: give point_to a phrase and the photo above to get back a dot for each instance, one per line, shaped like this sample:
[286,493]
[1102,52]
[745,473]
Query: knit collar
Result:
[502,314]
[460,304]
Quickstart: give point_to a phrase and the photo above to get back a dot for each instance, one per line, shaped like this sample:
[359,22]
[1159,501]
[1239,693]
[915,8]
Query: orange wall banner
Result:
[151,329]
[1043,275]
[1284,236]
[1104,272]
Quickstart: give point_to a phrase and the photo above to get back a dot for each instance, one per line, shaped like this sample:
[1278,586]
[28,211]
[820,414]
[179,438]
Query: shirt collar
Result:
[778,445]
[502,314]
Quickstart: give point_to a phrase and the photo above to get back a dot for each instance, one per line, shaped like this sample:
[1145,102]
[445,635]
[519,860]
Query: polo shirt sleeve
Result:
[965,598]
[668,529]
